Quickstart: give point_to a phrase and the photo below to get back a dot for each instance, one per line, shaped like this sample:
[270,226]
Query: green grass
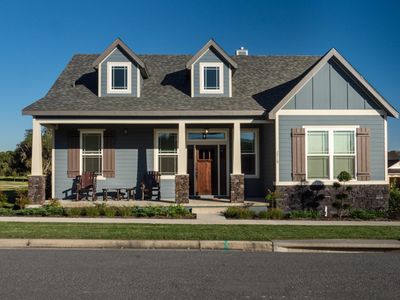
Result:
[193,232]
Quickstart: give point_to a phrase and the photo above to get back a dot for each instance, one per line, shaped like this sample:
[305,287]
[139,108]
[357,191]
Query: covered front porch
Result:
[198,158]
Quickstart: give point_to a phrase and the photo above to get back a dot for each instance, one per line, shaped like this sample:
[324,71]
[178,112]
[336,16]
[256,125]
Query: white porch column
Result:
[182,151]
[37,166]
[237,160]
[182,177]
[237,178]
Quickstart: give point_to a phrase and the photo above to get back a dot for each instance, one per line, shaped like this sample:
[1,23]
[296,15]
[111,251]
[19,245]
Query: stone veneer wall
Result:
[182,188]
[361,196]
[237,188]
[37,189]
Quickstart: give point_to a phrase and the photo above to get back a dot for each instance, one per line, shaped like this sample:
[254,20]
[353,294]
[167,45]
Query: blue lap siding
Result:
[134,156]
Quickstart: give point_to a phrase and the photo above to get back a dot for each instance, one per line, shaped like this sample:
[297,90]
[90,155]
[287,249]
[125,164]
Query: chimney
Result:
[242,51]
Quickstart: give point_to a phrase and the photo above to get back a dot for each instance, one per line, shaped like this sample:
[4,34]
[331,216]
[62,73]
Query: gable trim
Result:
[212,44]
[118,43]
[317,67]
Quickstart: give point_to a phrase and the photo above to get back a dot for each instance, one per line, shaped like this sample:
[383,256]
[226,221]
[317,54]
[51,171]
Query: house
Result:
[214,124]
[394,168]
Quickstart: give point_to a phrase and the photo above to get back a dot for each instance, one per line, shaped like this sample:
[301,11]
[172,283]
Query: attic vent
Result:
[242,51]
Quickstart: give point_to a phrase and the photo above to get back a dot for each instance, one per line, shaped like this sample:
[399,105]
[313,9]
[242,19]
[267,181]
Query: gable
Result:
[211,56]
[117,56]
[331,88]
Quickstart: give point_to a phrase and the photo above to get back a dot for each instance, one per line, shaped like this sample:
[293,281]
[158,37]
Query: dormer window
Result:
[211,78]
[119,77]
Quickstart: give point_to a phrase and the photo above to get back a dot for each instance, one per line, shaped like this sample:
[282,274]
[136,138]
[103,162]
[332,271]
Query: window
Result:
[92,153]
[329,152]
[119,77]
[211,78]
[167,143]
[206,135]
[249,150]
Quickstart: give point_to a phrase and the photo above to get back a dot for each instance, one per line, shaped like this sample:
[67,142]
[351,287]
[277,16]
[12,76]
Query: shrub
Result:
[40,211]
[22,198]
[304,214]
[7,211]
[236,212]
[272,198]
[54,203]
[394,202]
[3,198]
[73,212]
[124,211]
[275,214]
[109,211]
[91,211]
[365,214]
[54,210]
[262,214]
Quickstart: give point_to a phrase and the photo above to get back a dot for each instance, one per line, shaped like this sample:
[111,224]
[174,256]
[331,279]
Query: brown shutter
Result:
[363,154]
[298,154]
[73,154]
[109,155]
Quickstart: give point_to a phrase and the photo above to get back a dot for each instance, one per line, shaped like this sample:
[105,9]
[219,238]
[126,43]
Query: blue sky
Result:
[40,37]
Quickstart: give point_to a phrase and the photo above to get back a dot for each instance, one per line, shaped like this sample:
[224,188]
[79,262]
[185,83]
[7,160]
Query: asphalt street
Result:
[155,274]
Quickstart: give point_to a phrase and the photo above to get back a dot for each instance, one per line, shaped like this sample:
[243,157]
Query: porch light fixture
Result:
[205,132]
[125,131]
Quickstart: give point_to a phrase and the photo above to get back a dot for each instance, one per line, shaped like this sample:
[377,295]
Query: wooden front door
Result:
[204,172]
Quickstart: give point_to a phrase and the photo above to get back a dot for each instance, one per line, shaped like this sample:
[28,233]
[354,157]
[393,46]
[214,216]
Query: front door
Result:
[206,170]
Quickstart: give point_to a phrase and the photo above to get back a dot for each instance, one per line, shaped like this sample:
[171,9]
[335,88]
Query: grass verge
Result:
[192,232]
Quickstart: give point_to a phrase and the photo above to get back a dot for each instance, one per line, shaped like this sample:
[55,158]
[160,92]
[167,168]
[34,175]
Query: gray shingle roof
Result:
[258,84]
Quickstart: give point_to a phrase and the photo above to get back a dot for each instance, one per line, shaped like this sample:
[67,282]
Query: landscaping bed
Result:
[102,211]
[278,214]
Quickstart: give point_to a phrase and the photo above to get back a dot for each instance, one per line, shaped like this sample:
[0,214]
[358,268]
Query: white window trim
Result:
[110,90]
[256,152]
[220,65]
[207,141]
[156,153]
[331,154]
[81,132]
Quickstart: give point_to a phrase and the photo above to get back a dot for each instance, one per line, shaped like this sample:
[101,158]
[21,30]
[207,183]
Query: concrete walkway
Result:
[206,219]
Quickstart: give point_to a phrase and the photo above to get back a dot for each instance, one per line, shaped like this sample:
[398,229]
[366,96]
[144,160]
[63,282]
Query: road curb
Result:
[336,245]
[138,244]
[251,246]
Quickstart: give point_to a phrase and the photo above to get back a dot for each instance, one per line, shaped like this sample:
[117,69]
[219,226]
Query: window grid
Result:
[331,153]
[206,79]
[124,86]
[89,155]
[165,155]
[250,152]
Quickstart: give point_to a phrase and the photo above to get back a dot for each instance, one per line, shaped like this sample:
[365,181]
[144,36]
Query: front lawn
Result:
[192,232]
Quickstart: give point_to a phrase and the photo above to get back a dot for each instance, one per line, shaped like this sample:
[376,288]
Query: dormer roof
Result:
[118,43]
[215,47]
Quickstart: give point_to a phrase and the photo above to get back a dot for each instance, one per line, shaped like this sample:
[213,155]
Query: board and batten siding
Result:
[209,56]
[374,123]
[134,156]
[331,88]
[117,56]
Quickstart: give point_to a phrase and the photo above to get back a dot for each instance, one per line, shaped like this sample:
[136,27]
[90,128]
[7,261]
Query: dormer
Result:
[211,70]
[120,71]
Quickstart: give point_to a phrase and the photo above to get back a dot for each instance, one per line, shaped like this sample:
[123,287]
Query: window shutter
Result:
[109,155]
[73,154]
[363,154]
[298,154]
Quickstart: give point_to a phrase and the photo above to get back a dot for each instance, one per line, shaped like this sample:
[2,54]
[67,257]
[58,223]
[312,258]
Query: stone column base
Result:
[37,189]
[182,188]
[237,188]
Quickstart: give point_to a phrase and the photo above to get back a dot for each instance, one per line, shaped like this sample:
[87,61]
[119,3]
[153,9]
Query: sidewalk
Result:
[203,219]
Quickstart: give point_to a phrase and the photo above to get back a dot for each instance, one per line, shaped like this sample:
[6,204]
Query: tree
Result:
[343,191]
[23,153]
